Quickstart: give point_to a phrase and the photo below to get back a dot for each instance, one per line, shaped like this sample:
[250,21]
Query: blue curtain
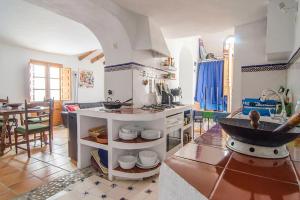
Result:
[209,85]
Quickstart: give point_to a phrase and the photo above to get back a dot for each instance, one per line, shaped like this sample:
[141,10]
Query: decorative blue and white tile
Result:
[266,67]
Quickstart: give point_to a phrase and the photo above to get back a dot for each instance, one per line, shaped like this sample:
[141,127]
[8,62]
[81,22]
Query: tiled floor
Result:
[18,174]
[96,187]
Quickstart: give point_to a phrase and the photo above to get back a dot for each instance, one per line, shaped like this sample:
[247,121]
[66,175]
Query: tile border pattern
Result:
[266,67]
[58,184]
[272,67]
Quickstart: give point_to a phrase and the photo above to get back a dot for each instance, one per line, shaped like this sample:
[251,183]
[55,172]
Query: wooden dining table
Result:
[5,113]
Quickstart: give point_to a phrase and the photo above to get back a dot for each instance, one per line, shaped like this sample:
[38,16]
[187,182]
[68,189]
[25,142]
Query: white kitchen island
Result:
[167,121]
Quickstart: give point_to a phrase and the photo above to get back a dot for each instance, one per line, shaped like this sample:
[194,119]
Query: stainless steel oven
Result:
[174,125]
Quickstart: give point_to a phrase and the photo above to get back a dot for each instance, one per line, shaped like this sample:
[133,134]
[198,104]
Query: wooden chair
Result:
[35,128]
[12,121]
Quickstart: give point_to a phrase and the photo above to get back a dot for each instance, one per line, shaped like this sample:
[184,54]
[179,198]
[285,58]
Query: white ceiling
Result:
[179,18]
[36,28]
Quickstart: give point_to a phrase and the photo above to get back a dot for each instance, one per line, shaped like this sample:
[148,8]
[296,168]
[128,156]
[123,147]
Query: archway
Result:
[106,26]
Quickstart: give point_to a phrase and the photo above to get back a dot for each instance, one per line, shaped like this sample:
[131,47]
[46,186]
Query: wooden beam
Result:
[98,57]
[86,54]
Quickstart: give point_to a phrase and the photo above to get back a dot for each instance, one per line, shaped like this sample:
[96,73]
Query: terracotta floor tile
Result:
[8,170]
[69,166]
[3,188]
[35,166]
[7,195]
[26,185]
[207,154]
[14,178]
[46,171]
[279,169]
[60,161]
[240,186]
[201,176]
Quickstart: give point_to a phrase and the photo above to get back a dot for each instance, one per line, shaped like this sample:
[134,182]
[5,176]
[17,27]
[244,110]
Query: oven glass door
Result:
[173,139]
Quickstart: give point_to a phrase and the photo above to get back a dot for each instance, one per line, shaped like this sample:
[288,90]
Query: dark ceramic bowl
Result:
[241,130]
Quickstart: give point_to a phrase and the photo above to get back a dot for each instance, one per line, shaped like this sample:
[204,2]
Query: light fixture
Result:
[286,8]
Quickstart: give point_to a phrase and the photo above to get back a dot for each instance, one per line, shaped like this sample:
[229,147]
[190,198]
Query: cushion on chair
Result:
[72,108]
[32,128]
[38,120]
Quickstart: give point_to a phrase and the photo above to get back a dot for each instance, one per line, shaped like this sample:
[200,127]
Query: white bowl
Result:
[151,134]
[148,158]
[127,161]
[127,136]
[132,129]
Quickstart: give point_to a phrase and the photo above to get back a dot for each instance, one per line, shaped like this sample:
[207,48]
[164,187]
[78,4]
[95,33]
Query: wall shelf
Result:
[90,141]
[136,172]
[138,143]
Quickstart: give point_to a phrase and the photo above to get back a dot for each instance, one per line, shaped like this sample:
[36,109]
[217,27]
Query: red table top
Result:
[219,173]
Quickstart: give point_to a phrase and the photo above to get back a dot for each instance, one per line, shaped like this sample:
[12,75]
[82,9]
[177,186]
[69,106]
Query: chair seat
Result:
[32,128]
[38,120]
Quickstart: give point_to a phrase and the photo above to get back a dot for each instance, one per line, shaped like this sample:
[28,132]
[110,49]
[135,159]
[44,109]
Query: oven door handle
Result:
[173,128]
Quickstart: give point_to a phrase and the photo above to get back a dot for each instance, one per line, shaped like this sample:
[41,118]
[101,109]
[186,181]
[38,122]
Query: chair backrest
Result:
[44,109]
[4,101]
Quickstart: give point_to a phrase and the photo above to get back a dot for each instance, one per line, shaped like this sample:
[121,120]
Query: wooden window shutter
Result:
[66,84]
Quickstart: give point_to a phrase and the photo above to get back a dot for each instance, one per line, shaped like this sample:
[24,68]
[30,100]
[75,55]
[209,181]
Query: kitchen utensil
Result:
[254,117]
[127,161]
[110,104]
[148,158]
[151,134]
[127,136]
[290,124]
[102,139]
[142,166]
[94,132]
[241,130]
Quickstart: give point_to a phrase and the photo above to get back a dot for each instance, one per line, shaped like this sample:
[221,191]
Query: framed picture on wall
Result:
[86,79]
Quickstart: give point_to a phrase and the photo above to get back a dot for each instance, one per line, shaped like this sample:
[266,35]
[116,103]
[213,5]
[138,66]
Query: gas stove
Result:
[157,107]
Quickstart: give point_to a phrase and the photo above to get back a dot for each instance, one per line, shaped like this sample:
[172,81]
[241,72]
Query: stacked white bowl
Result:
[130,132]
[147,159]
[127,161]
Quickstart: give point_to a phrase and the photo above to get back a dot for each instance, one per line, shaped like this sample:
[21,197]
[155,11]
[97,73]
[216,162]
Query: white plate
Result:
[151,134]
[140,165]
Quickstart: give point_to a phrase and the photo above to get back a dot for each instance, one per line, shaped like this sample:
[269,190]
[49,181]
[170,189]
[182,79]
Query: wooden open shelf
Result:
[136,140]
[92,139]
[136,169]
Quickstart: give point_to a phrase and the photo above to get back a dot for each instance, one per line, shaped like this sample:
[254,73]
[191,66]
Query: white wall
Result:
[249,48]
[14,75]
[213,42]
[297,29]
[185,53]
[280,30]
[293,81]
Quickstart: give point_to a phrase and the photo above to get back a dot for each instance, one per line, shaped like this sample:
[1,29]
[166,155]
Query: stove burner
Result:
[257,151]
[157,107]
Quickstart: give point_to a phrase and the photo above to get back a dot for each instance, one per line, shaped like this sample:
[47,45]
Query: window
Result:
[46,81]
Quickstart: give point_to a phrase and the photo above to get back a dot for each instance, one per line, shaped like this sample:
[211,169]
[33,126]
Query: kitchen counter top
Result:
[206,169]
[131,114]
